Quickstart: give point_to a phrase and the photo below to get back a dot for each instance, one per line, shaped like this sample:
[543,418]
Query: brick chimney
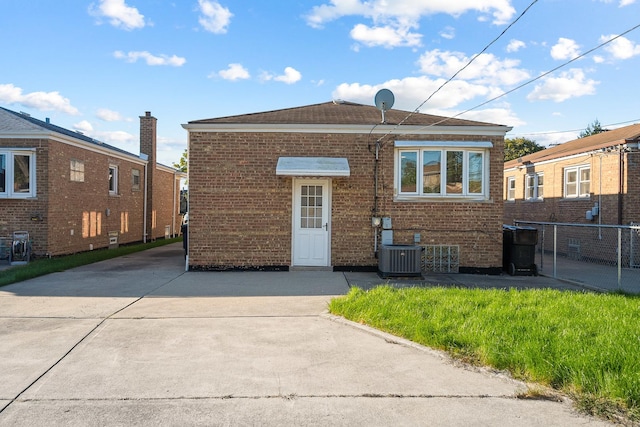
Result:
[148,147]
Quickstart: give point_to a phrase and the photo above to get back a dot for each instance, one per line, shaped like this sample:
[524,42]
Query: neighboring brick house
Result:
[73,193]
[566,182]
[300,187]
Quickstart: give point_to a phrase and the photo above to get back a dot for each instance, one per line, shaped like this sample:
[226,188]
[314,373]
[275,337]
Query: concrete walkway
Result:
[137,341]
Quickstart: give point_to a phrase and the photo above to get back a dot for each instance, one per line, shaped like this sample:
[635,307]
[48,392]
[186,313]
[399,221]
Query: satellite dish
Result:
[384,101]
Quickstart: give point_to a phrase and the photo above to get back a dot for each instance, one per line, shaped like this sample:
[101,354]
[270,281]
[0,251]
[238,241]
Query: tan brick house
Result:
[592,180]
[303,187]
[72,193]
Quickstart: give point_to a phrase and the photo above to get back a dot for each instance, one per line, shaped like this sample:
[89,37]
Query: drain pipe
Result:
[144,209]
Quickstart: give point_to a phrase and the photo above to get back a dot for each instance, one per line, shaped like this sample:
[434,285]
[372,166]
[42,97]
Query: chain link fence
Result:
[600,256]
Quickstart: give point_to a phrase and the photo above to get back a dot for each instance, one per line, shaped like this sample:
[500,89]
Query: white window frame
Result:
[135,173]
[511,188]
[578,182]
[9,192]
[76,170]
[418,148]
[532,188]
[113,189]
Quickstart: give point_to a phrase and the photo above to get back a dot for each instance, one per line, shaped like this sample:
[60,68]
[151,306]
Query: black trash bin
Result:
[185,237]
[519,250]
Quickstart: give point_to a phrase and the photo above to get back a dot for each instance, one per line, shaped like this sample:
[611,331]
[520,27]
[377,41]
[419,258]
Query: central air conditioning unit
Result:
[400,261]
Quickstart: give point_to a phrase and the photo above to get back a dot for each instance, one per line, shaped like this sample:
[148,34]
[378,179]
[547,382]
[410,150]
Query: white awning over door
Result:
[313,166]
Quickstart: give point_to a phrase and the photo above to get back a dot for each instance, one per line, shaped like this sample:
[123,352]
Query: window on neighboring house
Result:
[135,179]
[77,171]
[113,180]
[511,188]
[441,172]
[577,181]
[534,189]
[17,174]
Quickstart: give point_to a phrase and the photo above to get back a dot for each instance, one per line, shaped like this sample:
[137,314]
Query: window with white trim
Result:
[17,174]
[135,179]
[511,188]
[577,181]
[534,186]
[113,180]
[441,172]
[76,172]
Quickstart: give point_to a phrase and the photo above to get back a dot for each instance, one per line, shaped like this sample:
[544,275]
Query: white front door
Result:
[311,222]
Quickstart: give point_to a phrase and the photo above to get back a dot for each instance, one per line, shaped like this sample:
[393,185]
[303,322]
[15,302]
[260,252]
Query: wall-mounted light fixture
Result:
[376,221]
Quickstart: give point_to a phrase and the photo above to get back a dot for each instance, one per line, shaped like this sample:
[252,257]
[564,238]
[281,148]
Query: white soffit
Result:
[313,166]
[455,144]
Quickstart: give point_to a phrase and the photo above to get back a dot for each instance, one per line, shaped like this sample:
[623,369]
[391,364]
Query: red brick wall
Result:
[74,214]
[166,205]
[604,189]
[16,214]
[240,211]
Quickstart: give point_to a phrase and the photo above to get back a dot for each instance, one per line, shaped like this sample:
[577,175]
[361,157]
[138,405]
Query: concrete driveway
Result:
[137,341]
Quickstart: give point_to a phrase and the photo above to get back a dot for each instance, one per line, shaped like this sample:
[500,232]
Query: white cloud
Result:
[43,101]
[385,36]
[174,61]
[119,14]
[448,33]
[84,127]
[486,68]
[108,115]
[621,48]
[624,3]
[407,11]
[565,49]
[515,45]
[234,72]
[214,17]
[290,76]
[570,84]
[410,92]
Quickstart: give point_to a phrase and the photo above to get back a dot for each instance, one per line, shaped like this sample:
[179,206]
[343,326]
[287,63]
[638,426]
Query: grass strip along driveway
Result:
[585,345]
[42,266]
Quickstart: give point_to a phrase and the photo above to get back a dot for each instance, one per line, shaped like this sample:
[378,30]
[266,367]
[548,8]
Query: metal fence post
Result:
[619,258]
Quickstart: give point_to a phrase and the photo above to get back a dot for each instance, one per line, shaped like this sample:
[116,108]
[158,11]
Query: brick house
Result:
[302,187]
[73,193]
[563,183]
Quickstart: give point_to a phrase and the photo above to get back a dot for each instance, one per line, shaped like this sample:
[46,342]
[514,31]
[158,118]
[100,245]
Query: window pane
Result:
[21,174]
[454,172]
[540,186]
[431,171]
[3,173]
[511,189]
[408,172]
[475,173]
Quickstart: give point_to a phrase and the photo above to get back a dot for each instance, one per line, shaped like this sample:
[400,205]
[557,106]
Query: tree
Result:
[517,147]
[592,129]
[182,164]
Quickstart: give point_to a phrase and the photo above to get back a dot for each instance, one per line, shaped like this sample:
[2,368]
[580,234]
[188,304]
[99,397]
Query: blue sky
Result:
[96,66]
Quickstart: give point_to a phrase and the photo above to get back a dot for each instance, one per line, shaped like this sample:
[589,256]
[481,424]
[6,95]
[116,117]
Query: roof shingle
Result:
[340,113]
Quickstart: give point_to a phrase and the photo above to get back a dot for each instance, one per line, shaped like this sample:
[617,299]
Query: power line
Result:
[417,110]
[536,78]
[574,130]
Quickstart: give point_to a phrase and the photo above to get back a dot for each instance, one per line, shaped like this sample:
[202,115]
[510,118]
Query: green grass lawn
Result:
[43,266]
[586,345]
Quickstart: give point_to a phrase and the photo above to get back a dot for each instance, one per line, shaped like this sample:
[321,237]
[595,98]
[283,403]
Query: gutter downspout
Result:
[620,185]
[173,207]
[144,210]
